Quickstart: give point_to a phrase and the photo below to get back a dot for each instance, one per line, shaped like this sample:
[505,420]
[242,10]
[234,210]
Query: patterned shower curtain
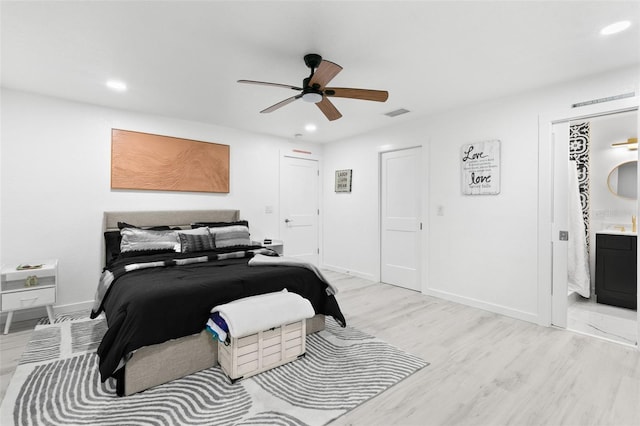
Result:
[579,152]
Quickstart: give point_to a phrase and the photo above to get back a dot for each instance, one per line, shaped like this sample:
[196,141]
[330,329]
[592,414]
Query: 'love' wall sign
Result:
[481,168]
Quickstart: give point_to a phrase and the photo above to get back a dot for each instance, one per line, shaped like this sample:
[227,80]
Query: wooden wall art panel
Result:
[164,163]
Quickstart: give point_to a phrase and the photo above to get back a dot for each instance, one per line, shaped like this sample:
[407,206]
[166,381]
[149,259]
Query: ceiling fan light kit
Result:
[313,97]
[314,88]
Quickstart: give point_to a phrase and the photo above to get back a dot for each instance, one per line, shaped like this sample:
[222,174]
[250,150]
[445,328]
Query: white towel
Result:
[262,260]
[256,313]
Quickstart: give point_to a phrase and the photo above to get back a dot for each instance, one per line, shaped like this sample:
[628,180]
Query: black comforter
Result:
[149,306]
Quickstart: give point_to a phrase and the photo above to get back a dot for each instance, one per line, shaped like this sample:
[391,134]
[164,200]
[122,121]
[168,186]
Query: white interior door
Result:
[559,298]
[401,202]
[299,207]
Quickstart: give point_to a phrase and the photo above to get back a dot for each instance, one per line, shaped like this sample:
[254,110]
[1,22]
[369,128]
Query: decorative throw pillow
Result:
[193,243]
[228,236]
[134,239]
[193,240]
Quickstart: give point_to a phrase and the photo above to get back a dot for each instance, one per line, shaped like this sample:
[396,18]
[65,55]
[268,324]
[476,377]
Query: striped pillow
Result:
[195,240]
[228,236]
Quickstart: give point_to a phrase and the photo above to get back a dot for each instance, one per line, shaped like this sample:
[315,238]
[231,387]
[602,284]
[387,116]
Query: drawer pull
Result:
[32,300]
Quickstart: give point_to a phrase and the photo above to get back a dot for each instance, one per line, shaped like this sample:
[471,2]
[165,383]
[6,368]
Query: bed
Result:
[156,312]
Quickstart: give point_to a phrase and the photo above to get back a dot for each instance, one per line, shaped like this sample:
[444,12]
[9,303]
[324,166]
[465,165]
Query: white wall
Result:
[56,183]
[483,250]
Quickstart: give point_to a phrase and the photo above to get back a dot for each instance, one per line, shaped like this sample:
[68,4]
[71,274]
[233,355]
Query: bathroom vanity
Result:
[616,269]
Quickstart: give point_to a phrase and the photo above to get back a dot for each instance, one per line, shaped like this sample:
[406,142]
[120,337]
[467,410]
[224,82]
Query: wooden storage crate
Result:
[255,353]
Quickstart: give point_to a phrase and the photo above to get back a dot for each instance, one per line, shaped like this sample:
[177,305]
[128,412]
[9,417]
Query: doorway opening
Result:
[594,281]
[608,211]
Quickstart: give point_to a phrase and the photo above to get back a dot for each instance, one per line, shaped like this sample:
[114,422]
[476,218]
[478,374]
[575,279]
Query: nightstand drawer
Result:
[45,271]
[28,299]
[20,284]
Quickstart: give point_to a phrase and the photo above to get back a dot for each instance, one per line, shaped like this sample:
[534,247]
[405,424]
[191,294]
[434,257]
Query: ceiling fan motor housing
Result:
[312,60]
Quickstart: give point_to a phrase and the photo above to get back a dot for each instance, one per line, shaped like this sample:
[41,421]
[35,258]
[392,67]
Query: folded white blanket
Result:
[262,260]
[252,314]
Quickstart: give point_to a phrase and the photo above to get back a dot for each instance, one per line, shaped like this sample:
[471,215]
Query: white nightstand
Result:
[28,288]
[275,245]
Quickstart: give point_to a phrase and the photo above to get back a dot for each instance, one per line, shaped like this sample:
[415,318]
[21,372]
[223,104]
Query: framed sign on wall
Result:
[343,180]
[480,164]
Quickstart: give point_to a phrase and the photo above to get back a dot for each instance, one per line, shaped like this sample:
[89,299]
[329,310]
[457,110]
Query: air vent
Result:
[601,100]
[397,112]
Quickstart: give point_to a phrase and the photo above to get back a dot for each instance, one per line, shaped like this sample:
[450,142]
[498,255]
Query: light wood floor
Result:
[486,369]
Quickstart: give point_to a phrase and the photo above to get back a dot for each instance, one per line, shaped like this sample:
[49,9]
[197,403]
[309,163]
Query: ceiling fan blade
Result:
[264,83]
[364,94]
[281,104]
[324,73]
[328,109]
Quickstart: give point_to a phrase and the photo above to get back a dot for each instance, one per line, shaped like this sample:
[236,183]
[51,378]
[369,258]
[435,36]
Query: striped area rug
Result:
[57,383]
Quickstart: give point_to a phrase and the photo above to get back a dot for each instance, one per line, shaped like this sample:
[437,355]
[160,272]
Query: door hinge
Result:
[318,249]
[421,226]
[318,212]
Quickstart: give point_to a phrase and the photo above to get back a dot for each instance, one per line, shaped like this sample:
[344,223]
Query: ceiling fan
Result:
[314,88]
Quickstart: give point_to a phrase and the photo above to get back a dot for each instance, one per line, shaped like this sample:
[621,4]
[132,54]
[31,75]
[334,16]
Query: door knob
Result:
[287,220]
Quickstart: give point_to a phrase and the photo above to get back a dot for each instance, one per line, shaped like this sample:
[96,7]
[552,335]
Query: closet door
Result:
[401,202]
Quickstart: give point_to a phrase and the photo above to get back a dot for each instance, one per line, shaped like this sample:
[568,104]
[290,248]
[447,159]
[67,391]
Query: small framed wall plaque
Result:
[343,180]
[480,163]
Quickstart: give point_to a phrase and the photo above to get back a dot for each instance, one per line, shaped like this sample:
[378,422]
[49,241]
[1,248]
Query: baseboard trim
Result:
[40,312]
[491,307]
[358,274]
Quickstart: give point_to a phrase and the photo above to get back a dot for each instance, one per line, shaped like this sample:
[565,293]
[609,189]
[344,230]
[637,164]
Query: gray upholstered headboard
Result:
[176,218]
[181,218]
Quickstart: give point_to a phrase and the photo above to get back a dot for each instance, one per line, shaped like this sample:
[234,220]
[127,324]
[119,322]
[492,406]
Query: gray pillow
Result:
[134,239]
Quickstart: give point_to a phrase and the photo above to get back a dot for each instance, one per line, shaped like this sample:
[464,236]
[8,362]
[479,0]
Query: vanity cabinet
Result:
[616,270]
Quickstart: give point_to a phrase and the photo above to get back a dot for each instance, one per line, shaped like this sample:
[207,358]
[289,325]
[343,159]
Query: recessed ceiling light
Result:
[615,28]
[310,127]
[116,85]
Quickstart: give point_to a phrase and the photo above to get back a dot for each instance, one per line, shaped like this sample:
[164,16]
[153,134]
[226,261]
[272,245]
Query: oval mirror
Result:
[623,180]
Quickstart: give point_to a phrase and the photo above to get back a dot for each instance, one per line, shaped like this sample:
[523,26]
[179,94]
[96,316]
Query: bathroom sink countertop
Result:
[616,232]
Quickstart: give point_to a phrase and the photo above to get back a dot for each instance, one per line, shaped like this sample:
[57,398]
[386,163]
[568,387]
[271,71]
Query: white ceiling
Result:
[182,58]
